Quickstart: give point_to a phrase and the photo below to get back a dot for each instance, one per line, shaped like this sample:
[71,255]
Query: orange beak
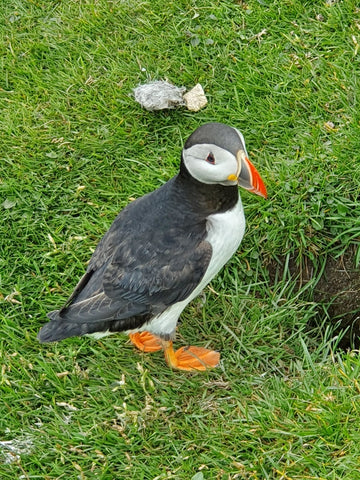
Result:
[249,178]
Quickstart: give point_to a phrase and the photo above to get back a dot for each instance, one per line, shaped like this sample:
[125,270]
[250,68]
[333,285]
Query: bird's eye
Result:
[210,158]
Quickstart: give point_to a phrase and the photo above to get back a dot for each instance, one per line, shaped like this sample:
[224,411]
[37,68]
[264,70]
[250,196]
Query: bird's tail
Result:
[59,328]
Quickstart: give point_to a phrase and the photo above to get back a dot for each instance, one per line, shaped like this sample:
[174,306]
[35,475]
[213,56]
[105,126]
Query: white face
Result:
[209,163]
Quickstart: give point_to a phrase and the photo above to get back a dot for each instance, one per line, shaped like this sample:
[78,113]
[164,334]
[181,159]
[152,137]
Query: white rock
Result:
[159,95]
[195,98]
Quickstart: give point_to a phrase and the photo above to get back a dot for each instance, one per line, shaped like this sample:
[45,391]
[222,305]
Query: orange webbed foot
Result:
[190,358]
[146,341]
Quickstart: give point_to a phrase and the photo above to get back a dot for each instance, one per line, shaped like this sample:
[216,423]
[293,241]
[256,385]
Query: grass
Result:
[75,148]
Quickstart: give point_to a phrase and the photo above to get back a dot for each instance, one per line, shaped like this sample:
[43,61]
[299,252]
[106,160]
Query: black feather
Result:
[153,255]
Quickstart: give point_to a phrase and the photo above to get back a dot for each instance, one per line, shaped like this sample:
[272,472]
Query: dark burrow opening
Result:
[335,290]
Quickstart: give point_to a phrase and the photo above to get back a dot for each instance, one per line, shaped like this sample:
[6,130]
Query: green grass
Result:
[75,148]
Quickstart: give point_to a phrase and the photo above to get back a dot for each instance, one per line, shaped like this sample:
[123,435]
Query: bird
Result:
[163,249]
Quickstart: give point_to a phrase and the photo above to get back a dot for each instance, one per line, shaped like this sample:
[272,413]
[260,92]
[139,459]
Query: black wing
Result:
[138,269]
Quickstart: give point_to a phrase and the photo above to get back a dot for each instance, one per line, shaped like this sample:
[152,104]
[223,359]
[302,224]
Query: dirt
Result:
[337,292]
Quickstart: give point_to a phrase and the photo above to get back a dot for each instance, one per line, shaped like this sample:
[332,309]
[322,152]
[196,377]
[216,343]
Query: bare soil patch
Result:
[337,292]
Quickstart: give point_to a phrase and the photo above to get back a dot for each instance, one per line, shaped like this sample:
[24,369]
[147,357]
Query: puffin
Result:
[163,249]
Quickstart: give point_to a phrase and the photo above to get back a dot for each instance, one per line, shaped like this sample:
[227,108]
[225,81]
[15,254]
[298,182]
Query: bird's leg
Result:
[146,341]
[190,358]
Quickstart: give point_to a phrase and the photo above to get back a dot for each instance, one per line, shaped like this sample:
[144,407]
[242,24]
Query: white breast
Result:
[224,233]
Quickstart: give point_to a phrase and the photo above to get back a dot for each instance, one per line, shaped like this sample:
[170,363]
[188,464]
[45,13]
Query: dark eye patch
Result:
[211,158]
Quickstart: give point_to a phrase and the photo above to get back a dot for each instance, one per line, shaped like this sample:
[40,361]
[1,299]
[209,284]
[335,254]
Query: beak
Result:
[248,176]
